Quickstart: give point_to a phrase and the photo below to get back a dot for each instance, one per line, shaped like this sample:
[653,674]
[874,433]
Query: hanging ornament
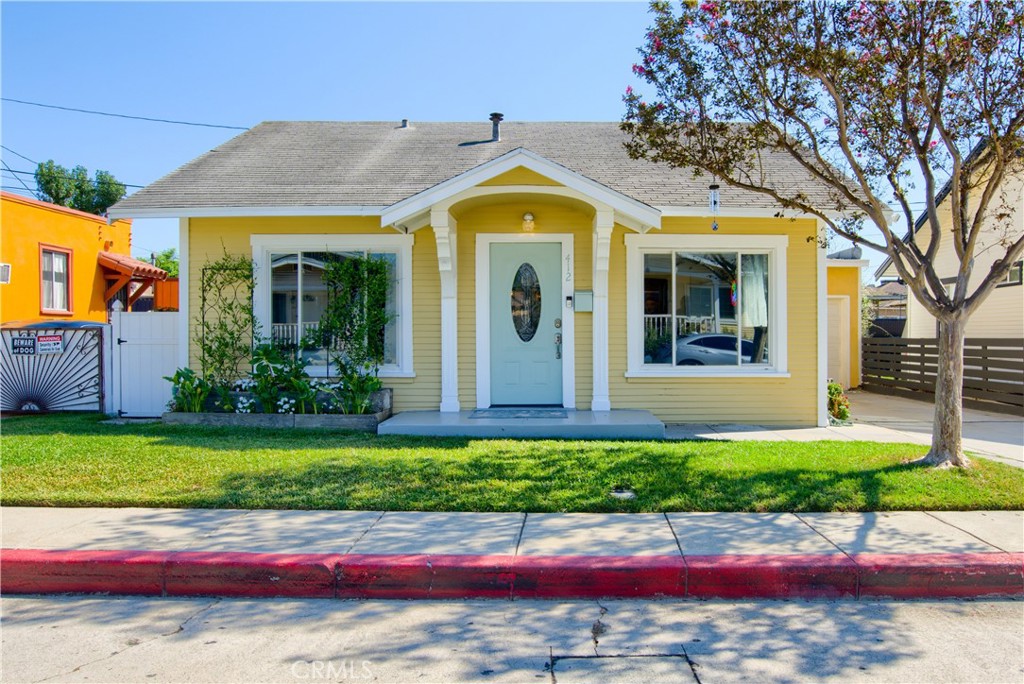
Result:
[713,204]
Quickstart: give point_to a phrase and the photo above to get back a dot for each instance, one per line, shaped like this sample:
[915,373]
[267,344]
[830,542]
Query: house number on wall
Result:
[568,268]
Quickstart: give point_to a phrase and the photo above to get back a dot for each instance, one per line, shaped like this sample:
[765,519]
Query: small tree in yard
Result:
[864,96]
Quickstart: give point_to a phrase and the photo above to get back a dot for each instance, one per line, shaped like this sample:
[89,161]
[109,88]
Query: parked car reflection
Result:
[705,349]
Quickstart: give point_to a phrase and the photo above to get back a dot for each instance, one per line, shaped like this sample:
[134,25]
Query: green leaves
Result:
[74,189]
[227,322]
[168,261]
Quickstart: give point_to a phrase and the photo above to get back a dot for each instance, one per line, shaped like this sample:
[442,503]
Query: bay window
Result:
[292,295]
[706,306]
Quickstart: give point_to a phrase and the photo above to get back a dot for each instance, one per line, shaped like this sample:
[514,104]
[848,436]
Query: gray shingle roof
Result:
[325,164]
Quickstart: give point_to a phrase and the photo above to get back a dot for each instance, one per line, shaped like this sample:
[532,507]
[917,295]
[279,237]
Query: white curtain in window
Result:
[60,281]
[754,292]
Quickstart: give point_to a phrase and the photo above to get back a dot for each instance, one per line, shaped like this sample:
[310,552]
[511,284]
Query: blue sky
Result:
[237,64]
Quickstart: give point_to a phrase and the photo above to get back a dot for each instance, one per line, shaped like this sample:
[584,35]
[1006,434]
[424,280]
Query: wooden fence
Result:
[993,371]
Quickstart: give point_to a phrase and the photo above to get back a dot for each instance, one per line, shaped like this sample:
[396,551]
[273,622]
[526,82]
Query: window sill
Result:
[396,374]
[55,312]
[708,373]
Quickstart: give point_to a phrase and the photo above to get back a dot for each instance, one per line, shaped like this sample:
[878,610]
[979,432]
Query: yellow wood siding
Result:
[845,280]
[209,238]
[520,176]
[772,401]
[791,400]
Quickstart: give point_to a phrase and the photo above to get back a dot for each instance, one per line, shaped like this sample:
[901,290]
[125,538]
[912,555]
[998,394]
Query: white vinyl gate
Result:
[145,350]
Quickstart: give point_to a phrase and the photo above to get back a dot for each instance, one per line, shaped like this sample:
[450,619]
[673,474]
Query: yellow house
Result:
[52,260]
[535,265]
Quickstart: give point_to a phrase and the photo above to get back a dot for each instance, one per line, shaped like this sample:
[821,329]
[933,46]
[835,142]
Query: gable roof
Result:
[311,167]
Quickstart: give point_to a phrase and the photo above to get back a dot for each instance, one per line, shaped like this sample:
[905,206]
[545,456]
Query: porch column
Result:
[444,234]
[604,222]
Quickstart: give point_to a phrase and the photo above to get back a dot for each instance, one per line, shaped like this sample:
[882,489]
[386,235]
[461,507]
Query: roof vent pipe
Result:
[496,118]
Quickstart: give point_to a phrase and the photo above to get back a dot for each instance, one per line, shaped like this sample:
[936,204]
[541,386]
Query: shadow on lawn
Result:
[502,479]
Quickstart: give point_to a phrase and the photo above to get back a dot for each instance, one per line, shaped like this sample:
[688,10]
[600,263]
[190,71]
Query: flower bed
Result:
[365,422]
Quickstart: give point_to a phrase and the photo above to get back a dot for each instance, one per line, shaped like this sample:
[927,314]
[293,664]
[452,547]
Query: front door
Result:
[526,324]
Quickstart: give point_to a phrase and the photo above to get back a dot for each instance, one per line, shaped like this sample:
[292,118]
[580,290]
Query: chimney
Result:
[496,118]
[405,123]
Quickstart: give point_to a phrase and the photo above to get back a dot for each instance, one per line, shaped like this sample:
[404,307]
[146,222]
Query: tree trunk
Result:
[947,428]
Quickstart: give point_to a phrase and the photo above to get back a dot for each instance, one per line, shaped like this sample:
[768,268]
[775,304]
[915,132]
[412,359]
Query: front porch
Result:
[527,422]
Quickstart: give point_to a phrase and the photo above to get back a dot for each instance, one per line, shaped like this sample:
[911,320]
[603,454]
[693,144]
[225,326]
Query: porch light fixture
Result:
[528,222]
[713,204]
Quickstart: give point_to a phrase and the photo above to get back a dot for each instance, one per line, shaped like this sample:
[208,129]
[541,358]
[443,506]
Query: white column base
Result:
[450,406]
[602,405]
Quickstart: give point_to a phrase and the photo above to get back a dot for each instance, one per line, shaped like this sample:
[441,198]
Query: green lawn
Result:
[73,460]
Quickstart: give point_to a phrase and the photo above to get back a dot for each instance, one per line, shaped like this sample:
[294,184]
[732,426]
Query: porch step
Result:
[616,424]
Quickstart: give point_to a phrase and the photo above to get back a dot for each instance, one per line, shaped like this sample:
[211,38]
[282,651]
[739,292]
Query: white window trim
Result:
[774,246]
[264,245]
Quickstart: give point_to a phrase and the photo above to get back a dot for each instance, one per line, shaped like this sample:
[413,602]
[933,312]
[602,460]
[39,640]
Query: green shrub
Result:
[190,391]
[838,403]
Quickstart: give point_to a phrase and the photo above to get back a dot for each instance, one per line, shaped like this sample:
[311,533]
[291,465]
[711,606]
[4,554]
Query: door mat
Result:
[516,413]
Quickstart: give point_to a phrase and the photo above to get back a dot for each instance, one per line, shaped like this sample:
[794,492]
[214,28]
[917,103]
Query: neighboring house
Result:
[888,303]
[1001,315]
[534,264]
[844,319]
[63,264]
[161,296]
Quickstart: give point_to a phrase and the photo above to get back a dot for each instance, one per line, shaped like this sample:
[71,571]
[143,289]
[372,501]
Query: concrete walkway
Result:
[881,418]
[349,554]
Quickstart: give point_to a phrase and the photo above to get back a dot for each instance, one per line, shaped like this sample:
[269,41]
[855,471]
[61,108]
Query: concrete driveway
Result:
[996,435]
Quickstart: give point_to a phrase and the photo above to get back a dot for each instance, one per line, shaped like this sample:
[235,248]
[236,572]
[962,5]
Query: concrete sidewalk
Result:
[881,418]
[512,555]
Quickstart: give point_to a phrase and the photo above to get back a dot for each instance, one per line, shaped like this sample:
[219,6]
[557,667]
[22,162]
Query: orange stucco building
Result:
[56,271]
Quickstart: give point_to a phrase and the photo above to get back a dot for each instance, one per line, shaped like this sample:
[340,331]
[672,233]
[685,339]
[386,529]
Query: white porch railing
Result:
[288,333]
[656,325]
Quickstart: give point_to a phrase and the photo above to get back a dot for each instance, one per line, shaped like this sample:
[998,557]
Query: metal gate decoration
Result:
[51,369]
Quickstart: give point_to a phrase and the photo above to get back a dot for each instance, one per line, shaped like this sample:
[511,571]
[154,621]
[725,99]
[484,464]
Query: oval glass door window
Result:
[526,302]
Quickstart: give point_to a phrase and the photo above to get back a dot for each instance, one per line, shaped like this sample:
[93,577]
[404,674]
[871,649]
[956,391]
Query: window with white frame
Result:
[291,293]
[56,288]
[706,306]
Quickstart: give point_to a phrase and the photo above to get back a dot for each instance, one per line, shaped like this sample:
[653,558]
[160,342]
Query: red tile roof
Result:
[126,265]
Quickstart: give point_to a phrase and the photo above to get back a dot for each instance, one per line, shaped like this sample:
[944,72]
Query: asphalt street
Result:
[106,639]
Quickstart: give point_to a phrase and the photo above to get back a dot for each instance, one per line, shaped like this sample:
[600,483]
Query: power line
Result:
[18,154]
[16,177]
[64,175]
[123,116]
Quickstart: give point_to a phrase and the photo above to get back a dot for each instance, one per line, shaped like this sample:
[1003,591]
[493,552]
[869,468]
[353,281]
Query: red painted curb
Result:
[941,575]
[30,571]
[189,573]
[797,576]
[598,576]
[424,576]
[260,575]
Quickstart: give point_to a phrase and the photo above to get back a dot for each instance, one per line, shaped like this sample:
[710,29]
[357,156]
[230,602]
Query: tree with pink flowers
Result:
[883,103]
